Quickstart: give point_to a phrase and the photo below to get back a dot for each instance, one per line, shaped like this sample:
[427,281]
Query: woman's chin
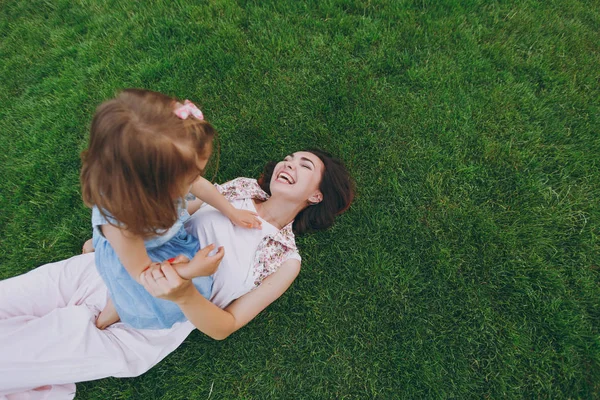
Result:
[284,190]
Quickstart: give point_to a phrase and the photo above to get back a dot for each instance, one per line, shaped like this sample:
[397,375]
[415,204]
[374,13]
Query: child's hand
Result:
[201,265]
[245,219]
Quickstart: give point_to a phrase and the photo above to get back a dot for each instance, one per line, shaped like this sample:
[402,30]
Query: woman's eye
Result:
[307,167]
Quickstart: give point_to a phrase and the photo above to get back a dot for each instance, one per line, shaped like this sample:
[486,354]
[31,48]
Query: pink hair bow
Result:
[188,108]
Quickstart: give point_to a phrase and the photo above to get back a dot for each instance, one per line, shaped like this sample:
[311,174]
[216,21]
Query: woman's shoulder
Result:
[241,182]
[240,188]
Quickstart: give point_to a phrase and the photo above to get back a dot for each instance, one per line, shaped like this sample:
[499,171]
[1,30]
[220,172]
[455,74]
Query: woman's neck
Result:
[278,212]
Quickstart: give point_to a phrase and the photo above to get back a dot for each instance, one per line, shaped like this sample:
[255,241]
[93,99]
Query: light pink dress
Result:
[48,333]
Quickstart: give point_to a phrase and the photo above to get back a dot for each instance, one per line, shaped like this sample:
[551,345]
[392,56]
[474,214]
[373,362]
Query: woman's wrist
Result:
[188,295]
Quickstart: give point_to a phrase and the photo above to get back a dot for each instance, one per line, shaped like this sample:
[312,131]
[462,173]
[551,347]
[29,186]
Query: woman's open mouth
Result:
[286,178]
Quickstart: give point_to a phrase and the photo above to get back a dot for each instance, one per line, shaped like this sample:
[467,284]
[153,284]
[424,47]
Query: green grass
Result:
[469,265]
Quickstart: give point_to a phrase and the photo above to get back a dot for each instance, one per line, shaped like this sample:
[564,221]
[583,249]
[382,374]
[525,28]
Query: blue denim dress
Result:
[134,304]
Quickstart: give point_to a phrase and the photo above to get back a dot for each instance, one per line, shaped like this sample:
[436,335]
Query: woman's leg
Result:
[51,286]
[48,335]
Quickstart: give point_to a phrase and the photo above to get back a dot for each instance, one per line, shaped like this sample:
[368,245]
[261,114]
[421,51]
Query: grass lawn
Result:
[469,265]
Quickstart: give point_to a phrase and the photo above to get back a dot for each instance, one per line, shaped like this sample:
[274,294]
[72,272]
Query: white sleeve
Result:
[294,256]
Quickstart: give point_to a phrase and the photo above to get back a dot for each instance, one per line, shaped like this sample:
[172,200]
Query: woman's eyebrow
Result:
[308,159]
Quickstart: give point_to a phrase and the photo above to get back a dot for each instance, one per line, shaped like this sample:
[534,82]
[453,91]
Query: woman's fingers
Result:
[145,280]
[151,280]
[161,280]
[171,276]
[156,273]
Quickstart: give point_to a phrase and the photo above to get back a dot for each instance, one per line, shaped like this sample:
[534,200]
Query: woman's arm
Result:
[207,317]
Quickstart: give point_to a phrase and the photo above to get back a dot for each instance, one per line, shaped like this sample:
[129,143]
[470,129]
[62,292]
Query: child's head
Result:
[141,158]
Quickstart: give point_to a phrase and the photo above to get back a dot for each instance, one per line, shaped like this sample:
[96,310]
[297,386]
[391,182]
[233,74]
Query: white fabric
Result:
[235,276]
[48,334]
[48,337]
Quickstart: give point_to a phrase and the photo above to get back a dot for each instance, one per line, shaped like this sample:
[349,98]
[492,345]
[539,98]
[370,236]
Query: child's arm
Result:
[129,248]
[194,205]
[201,265]
[206,192]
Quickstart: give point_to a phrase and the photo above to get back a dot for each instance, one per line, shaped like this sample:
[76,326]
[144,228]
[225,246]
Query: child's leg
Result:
[108,316]
[88,246]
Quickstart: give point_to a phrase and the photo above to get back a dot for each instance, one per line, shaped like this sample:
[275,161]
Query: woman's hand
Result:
[163,282]
[244,218]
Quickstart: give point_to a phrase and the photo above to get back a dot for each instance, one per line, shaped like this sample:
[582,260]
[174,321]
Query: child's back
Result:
[136,173]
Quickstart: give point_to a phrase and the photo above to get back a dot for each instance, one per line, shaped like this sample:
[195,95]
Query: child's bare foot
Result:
[108,316]
[88,247]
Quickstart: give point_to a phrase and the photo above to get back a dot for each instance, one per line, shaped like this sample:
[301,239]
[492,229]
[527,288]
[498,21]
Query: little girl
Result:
[147,152]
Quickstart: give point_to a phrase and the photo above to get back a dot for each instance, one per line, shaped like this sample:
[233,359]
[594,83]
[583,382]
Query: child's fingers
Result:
[214,261]
[180,259]
[204,251]
[252,222]
[218,256]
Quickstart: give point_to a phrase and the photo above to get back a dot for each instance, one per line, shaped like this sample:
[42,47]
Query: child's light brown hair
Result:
[140,157]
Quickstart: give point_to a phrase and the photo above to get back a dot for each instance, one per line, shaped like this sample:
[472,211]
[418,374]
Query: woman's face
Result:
[298,177]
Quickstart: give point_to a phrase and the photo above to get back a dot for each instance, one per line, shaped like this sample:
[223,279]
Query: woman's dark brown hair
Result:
[139,157]
[336,186]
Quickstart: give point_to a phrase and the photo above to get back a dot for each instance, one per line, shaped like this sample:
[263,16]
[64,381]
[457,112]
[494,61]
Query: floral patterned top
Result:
[273,250]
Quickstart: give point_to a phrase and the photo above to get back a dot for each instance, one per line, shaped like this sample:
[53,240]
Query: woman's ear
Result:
[316,198]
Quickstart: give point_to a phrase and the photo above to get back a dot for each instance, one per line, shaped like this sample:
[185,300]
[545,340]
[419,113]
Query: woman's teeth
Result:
[284,176]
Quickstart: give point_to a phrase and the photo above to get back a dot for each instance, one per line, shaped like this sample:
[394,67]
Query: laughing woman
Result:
[48,337]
